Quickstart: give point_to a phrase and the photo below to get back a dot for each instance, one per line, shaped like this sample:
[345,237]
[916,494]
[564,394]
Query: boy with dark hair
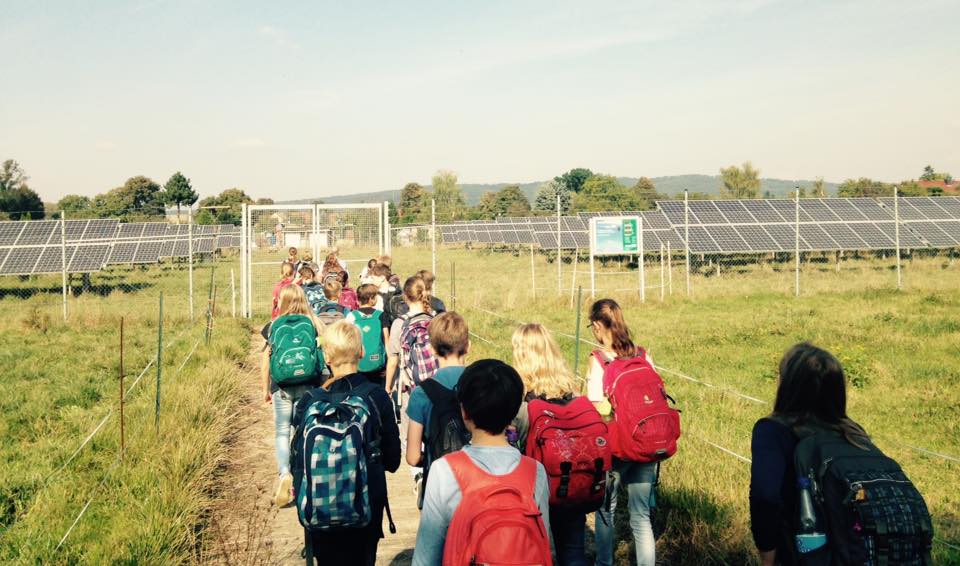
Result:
[468,482]
[375,331]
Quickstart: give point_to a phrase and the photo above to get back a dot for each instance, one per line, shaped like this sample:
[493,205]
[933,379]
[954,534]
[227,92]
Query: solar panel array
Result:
[32,247]
[745,226]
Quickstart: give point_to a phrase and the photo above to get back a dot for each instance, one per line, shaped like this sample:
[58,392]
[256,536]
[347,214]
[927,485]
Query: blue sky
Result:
[300,100]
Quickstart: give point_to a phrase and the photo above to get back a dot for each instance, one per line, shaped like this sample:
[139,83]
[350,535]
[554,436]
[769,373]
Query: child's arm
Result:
[265,374]
[436,515]
[392,362]
[414,442]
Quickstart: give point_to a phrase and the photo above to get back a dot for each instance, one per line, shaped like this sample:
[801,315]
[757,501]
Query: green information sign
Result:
[616,235]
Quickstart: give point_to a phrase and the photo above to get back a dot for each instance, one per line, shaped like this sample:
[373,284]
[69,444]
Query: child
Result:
[366,270]
[331,310]
[552,408]
[397,308]
[284,396]
[490,393]
[312,288]
[610,330]
[292,257]
[343,349]
[348,297]
[450,341]
[286,278]
[375,333]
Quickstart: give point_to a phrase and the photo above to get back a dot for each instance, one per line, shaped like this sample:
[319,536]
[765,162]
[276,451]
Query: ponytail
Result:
[610,315]
[415,290]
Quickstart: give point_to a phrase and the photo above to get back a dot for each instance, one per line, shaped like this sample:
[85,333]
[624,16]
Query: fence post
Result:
[206,339]
[190,256]
[63,259]
[453,283]
[387,242]
[896,233]
[533,275]
[796,240]
[669,268]
[573,281]
[433,234]
[233,294]
[122,395]
[576,344]
[156,417]
[686,233]
[243,261]
[640,258]
[559,267]
[662,274]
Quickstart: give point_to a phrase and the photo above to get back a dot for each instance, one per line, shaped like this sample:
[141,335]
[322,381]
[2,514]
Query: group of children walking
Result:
[509,460]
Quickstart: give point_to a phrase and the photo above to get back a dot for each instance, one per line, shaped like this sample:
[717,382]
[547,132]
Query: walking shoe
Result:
[284,494]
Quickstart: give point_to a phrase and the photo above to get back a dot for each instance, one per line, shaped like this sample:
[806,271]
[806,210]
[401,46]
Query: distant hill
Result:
[671,185]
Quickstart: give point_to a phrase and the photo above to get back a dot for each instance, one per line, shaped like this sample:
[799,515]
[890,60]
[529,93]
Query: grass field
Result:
[61,381]
[900,351]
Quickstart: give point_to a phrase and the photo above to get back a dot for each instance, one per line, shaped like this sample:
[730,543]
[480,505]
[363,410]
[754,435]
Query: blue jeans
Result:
[284,402]
[639,479]
[569,530]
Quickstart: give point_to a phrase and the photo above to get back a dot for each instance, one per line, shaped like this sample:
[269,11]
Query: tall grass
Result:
[61,380]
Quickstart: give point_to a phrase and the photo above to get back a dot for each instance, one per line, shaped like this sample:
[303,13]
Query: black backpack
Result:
[446,431]
[870,511]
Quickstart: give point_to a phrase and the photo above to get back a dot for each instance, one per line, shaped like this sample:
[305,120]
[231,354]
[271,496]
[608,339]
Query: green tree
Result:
[76,206]
[928,174]
[646,191]
[605,193]
[740,183]
[178,191]
[574,179]
[935,191]
[487,207]
[864,187]
[232,201]
[140,197]
[546,199]
[17,199]
[412,207]
[508,201]
[12,176]
[819,188]
[448,196]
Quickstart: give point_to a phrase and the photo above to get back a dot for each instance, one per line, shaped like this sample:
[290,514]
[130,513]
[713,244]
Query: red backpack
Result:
[497,521]
[646,427]
[572,442]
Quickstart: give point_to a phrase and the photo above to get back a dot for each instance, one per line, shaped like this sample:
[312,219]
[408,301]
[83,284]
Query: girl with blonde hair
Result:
[549,387]
[292,302]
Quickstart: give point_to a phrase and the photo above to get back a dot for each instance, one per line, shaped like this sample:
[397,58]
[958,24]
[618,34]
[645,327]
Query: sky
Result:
[304,100]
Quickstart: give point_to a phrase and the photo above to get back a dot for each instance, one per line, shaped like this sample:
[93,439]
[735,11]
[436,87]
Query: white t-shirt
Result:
[595,376]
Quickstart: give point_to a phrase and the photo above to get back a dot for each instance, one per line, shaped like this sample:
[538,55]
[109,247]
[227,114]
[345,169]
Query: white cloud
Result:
[278,36]
[248,143]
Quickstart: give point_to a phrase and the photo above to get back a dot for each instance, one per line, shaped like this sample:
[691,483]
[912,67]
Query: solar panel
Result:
[50,259]
[846,238]
[131,230]
[951,205]
[701,242]
[21,261]
[907,239]
[673,210]
[931,233]
[757,238]
[75,229]
[101,230]
[88,258]
[727,239]
[763,211]
[870,208]
[873,236]
[655,220]
[153,230]
[844,209]
[546,240]
[950,228]
[38,232]
[525,236]
[203,245]
[3,257]
[122,252]
[813,238]
[181,248]
[735,212]
[817,210]
[706,212]
[10,231]
[783,235]
[147,252]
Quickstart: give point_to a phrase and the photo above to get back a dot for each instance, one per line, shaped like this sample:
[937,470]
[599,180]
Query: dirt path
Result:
[248,528]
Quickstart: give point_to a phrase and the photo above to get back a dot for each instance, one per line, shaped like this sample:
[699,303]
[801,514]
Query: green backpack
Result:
[295,357]
[371,329]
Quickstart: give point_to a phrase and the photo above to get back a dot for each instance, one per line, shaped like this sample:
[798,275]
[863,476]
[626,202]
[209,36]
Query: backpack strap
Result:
[437,393]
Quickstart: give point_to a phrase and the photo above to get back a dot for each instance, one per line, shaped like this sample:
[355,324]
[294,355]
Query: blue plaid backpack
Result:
[335,450]
[415,354]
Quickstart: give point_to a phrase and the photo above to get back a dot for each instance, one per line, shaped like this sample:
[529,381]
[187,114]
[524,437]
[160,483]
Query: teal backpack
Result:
[295,357]
[371,329]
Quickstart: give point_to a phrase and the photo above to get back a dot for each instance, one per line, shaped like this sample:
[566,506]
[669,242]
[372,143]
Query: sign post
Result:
[616,235]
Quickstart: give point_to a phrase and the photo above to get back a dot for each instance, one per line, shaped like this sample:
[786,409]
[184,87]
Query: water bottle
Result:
[810,537]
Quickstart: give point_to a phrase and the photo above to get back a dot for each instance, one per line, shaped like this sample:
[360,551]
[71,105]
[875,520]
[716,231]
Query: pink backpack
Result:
[645,426]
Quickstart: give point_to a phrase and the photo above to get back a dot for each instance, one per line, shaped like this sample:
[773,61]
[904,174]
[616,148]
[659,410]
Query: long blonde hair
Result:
[539,362]
[294,301]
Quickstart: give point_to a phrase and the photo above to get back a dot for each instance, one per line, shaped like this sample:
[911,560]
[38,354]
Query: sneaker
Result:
[284,494]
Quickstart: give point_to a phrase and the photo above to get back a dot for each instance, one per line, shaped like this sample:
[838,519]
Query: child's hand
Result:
[268,398]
